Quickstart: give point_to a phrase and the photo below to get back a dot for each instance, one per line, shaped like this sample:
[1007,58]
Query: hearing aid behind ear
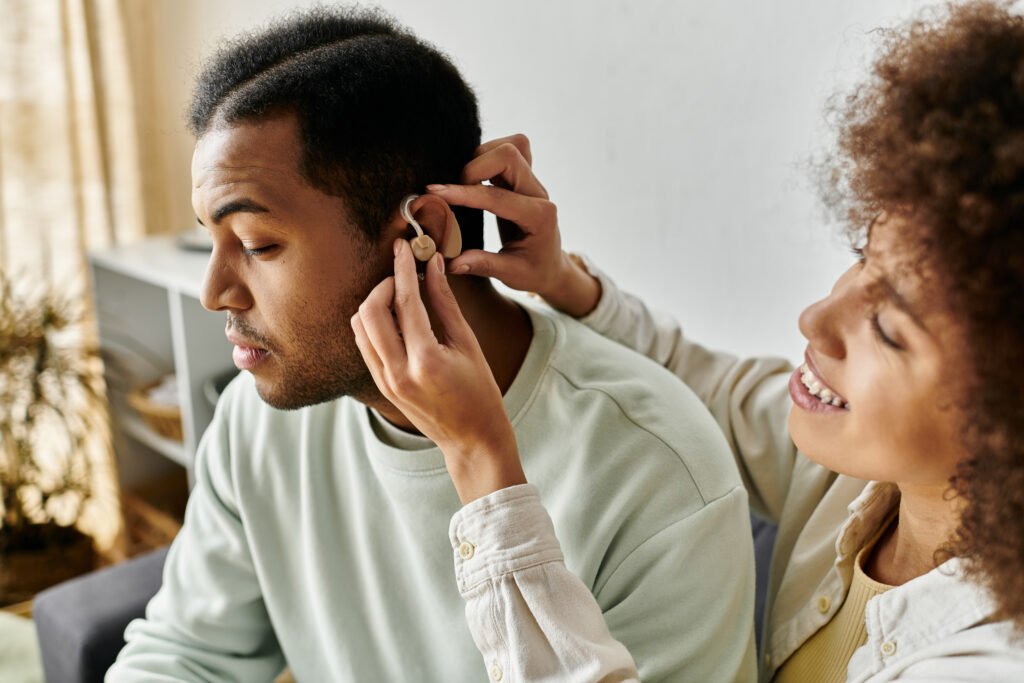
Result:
[423,246]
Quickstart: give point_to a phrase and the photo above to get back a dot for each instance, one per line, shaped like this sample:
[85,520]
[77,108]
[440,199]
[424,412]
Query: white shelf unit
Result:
[151,324]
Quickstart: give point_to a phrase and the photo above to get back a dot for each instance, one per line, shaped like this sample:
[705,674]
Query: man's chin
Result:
[283,396]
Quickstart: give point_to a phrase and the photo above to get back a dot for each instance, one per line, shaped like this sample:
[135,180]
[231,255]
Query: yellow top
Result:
[824,657]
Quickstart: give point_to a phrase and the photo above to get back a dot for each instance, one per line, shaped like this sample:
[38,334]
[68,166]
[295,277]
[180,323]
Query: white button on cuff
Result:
[888,648]
[496,673]
[466,550]
[823,604]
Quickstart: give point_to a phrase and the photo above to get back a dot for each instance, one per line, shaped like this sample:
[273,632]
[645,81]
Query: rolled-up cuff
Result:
[504,532]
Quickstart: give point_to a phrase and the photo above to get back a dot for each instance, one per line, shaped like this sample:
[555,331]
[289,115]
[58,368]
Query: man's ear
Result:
[437,220]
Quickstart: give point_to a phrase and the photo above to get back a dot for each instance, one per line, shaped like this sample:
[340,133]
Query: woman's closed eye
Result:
[876,325]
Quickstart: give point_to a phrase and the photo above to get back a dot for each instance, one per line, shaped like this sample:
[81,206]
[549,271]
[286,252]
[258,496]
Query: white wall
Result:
[674,136]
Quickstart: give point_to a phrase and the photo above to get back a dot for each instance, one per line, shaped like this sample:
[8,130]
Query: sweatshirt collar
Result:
[404,452]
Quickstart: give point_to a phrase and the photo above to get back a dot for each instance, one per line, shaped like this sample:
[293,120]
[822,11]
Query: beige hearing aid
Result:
[423,246]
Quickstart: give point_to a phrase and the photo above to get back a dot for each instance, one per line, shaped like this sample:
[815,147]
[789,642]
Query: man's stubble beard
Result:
[335,373]
[324,362]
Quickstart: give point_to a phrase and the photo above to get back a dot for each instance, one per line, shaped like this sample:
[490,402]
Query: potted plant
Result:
[52,411]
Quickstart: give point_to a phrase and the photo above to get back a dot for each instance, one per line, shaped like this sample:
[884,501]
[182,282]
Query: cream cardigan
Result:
[938,627]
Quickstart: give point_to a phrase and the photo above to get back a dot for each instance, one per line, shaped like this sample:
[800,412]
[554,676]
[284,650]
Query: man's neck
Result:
[501,326]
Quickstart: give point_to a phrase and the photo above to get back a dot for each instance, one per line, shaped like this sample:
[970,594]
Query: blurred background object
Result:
[70,181]
[52,416]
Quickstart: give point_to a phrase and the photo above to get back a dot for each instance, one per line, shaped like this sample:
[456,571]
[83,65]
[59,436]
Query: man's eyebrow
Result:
[236,206]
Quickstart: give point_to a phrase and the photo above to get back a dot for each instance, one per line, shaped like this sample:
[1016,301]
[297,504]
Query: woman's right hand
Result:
[531,257]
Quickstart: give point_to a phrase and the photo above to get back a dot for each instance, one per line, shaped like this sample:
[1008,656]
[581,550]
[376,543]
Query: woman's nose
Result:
[825,323]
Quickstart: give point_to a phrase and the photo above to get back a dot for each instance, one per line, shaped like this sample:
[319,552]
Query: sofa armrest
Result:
[81,622]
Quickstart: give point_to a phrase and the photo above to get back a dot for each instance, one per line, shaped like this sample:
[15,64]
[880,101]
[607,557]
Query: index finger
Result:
[505,166]
[409,309]
[526,212]
[520,141]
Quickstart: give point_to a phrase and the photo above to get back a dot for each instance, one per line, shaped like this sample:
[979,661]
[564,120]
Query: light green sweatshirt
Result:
[311,540]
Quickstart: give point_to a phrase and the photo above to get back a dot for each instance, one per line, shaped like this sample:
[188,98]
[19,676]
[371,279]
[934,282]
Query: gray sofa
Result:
[81,623]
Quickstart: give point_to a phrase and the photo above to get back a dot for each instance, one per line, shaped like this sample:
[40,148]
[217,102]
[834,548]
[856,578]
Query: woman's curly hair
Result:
[937,133]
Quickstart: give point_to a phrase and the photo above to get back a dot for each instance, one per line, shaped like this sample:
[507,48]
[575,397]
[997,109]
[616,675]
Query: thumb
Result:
[472,262]
[504,267]
[445,305]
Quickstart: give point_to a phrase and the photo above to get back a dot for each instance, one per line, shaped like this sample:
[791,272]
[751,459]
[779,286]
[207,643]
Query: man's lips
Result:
[242,342]
[245,355]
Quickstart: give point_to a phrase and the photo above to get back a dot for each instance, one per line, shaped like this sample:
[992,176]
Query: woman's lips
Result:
[813,367]
[248,357]
[804,399]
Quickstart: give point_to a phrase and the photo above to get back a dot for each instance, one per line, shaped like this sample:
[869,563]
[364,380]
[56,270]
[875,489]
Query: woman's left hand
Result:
[444,387]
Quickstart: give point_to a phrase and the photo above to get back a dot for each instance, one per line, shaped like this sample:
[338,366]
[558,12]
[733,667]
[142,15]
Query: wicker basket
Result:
[163,419]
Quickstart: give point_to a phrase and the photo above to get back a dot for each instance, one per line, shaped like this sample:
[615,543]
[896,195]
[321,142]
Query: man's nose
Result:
[223,289]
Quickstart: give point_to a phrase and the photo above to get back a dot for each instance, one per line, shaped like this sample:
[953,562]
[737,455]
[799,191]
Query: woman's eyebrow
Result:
[887,290]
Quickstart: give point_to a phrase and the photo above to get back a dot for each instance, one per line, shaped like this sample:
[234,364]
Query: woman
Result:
[892,458]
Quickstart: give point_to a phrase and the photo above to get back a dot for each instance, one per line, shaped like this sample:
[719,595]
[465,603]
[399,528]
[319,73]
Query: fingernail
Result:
[397,246]
[461,270]
[437,188]
[439,263]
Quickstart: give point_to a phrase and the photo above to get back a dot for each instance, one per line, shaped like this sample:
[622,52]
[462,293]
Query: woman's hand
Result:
[444,387]
[531,257]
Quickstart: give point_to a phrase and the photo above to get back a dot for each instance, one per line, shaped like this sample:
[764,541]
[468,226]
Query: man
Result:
[316,534]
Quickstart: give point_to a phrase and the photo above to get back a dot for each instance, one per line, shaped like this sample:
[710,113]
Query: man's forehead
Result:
[247,149]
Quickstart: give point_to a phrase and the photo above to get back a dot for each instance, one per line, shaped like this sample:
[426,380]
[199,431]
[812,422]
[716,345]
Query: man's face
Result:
[287,267]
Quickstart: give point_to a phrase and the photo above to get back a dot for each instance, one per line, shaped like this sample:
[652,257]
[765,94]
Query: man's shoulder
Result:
[589,359]
[636,385]
[657,415]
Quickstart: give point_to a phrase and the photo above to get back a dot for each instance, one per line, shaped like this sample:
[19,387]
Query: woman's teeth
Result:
[815,388]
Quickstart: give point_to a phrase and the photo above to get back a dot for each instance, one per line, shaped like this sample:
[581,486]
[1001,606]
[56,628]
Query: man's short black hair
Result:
[381,113]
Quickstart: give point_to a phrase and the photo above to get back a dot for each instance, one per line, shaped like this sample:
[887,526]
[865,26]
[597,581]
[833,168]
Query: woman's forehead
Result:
[903,268]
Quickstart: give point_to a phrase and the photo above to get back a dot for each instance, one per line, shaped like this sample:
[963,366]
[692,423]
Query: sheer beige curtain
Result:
[69,159]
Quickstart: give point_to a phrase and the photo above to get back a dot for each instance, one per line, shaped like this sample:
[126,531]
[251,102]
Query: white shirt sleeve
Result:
[530,617]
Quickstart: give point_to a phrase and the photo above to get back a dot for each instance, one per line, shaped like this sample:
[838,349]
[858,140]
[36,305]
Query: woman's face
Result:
[874,398]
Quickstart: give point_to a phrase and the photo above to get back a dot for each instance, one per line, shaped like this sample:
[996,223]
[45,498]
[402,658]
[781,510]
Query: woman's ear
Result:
[437,220]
